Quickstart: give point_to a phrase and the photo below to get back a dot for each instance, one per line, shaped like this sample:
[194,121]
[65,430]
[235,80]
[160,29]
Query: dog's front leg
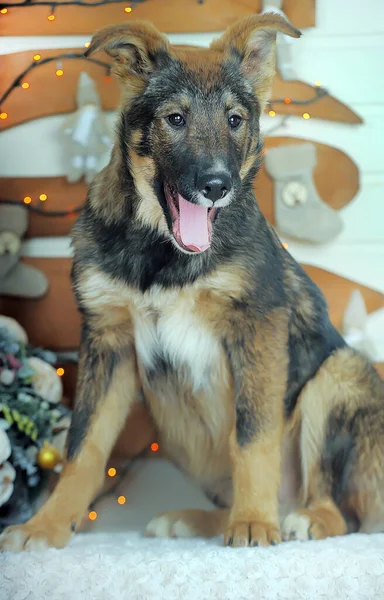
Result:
[107,387]
[258,356]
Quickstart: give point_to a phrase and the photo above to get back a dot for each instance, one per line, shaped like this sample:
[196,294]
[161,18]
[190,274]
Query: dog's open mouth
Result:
[191,223]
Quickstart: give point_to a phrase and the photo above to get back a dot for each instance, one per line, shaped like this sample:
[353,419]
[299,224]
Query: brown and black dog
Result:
[190,304]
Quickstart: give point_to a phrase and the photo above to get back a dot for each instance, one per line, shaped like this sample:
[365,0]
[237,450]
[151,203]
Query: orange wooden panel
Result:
[338,290]
[49,94]
[171,16]
[69,383]
[336,178]
[52,321]
[62,196]
[327,107]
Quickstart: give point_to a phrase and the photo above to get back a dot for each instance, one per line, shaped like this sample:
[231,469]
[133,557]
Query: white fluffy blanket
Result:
[129,567]
[114,562]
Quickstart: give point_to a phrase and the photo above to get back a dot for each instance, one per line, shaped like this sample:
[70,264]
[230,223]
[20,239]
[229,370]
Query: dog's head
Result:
[190,120]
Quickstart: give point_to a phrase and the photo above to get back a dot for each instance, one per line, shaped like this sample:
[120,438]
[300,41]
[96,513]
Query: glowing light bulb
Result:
[60,371]
[285,245]
[27,200]
[37,57]
[43,197]
[121,500]
[4,11]
[87,44]
[127,9]
[25,85]
[3,115]
[51,17]
[287,100]
[306,116]
[112,472]
[272,113]
[154,447]
[317,83]
[92,516]
[59,72]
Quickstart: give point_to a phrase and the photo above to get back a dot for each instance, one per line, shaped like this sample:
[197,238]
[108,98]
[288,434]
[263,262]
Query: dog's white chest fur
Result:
[169,331]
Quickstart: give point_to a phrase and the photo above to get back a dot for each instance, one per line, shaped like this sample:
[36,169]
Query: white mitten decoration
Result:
[299,211]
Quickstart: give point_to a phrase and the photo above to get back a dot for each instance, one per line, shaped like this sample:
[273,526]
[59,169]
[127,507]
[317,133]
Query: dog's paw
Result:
[170,525]
[27,537]
[251,534]
[315,523]
[297,526]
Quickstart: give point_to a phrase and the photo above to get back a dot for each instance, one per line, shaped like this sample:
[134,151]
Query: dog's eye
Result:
[234,121]
[176,120]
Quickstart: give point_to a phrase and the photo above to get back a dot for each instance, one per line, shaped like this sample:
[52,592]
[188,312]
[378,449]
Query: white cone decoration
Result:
[363,331]
[284,57]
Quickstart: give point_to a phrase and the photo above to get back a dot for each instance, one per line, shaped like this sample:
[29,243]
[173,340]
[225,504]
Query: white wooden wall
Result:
[345,51]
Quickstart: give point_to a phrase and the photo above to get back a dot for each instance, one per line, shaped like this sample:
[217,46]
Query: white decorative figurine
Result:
[363,331]
[85,133]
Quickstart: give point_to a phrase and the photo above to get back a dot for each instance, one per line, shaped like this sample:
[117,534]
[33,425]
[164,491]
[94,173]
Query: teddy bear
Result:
[17,278]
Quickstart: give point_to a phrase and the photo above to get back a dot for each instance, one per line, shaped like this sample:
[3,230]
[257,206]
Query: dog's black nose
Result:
[214,186]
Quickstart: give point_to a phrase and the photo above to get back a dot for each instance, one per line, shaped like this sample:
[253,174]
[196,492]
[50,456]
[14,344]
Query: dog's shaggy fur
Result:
[227,340]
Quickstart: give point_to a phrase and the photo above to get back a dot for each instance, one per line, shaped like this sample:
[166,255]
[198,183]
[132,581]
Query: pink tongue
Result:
[193,225]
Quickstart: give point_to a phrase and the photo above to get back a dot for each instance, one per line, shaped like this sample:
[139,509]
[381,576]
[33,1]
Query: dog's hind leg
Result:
[365,485]
[107,388]
[189,523]
[339,420]
[319,517]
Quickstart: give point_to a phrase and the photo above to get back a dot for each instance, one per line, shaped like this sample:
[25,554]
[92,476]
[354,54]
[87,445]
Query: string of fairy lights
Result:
[5,6]
[51,17]
[27,203]
[319,93]
[38,60]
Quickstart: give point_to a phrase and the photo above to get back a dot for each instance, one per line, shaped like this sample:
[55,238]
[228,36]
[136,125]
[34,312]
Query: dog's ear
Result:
[253,41]
[137,48]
